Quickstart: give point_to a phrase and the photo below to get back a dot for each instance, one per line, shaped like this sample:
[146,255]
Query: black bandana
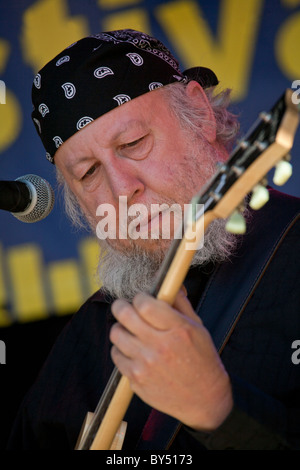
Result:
[95,75]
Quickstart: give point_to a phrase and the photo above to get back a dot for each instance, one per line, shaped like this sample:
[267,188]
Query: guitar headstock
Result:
[267,145]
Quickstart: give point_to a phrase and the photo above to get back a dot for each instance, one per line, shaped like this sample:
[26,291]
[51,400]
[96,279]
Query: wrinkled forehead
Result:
[147,114]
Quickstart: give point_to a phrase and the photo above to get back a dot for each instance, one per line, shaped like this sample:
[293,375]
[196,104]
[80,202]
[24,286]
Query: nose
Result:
[123,179]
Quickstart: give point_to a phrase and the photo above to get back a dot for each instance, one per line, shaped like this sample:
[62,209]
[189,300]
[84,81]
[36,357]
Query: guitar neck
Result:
[266,144]
[168,282]
[102,406]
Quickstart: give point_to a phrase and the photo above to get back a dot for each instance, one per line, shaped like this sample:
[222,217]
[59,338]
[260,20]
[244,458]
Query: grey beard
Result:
[123,275]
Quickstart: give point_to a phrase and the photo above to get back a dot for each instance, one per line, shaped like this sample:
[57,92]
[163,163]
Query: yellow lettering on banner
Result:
[10,112]
[5,320]
[47,29]
[230,53]
[134,19]
[290,3]
[65,286]
[25,267]
[117,3]
[11,119]
[89,257]
[287,47]
[4,52]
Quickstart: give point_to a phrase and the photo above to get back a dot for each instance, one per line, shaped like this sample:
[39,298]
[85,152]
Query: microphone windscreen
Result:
[42,202]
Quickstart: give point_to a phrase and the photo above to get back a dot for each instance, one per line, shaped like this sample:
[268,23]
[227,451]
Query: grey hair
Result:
[71,205]
[191,117]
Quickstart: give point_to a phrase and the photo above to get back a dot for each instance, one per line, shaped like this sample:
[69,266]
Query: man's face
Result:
[138,151]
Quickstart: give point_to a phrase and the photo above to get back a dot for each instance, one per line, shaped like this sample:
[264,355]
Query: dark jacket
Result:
[251,306]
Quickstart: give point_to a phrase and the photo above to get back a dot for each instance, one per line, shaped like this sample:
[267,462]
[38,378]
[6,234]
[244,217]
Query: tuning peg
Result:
[259,197]
[283,172]
[236,223]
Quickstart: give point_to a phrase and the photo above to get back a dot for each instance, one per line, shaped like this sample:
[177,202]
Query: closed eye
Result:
[137,149]
[89,172]
[133,143]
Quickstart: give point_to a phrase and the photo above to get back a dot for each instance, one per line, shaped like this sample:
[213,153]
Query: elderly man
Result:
[120,121]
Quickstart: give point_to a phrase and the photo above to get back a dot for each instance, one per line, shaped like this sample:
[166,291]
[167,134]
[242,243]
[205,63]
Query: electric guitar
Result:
[266,145]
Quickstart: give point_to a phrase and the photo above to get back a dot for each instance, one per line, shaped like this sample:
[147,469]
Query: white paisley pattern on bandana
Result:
[84,121]
[92,77]
[69,90]
[141,41]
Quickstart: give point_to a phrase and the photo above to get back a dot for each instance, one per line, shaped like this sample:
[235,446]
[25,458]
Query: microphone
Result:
[29,198]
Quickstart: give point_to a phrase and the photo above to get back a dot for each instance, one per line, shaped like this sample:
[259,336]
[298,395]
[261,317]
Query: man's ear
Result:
[195,91]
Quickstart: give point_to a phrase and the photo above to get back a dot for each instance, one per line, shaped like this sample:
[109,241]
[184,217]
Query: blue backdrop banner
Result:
[48,268]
